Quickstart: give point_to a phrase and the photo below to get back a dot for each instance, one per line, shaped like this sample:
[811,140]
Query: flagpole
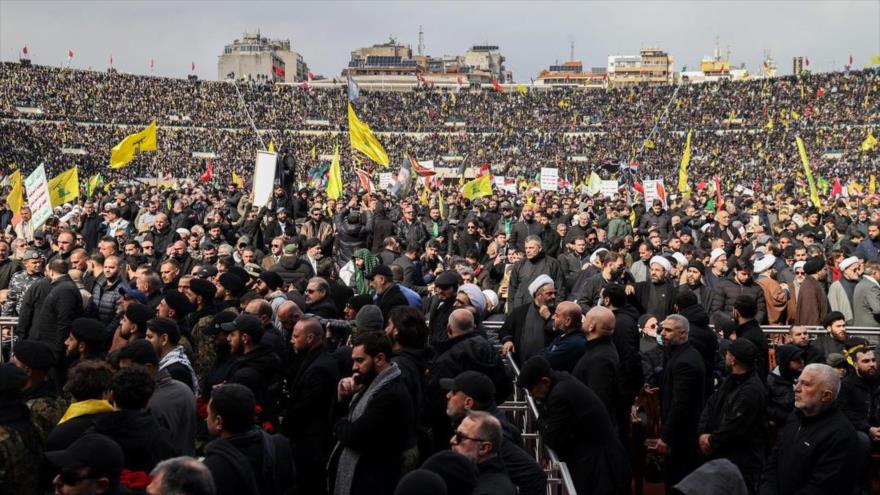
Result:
[248,113]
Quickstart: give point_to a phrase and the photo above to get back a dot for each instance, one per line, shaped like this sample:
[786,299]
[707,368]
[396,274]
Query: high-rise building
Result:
[259,58]
[651,66]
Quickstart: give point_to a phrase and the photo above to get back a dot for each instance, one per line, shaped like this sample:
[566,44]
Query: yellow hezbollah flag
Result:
[649,144]
[441,205]
[15,198]
[769,124]
[363,140]
[92,186]
[271,147]
[133,144]
[314,152]
[64,187]
[477,188]
[683,168]
[522,88]
[870,142]
[814,194]
[872,184]
[334,179]
[237,180]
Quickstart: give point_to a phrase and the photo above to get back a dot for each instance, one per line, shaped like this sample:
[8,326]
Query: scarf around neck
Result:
[86,407]
[177,355]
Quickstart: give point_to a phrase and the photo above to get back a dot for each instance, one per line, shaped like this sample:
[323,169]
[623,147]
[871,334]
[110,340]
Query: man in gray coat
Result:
[866,297]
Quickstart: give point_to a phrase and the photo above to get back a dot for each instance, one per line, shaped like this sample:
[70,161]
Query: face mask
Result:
[659,340]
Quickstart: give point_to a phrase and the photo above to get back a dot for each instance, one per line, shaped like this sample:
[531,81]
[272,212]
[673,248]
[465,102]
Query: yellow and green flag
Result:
[363,139]
[814,194]
[872,184]
[132,145]
[477,188]
[683,187]
[93,184]
[64,187]
[334,179]
[870,142]
[15,198]
[649,144]
[238,181]
[523,89]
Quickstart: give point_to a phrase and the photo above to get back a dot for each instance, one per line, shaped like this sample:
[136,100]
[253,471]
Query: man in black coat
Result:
[574,423]
[257,366]
[479,439]
[656,295]
[701,337]
[319,301]
[373,436]
[599,367]
[474,391]
[733,424]
[626,341]
[818,450]
[388,294]
[62,304]
[681,400]
[309,407]
[744,311]
[528,330]
[535,264]
[238,458]
[735,286]
[440,305]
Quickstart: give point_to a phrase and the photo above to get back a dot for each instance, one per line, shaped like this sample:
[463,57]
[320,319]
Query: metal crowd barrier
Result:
[7,336]
[525,413]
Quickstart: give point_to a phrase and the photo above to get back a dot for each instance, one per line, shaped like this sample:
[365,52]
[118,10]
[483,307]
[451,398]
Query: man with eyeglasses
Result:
[276,250]
[479,438]
[411,231]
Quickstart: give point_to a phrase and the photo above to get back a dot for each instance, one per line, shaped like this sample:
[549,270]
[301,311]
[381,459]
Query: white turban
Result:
[596,255]
[848,262]
[762,264]
[478,300]
[660,260]
[539,282]
[680,259]
[491,299]
[716,253]
[799,264]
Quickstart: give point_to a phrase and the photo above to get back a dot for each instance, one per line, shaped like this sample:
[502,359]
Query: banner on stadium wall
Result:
[549,179]
[654,189]
[385,180]
[608,188]
[264,177]
[37,188]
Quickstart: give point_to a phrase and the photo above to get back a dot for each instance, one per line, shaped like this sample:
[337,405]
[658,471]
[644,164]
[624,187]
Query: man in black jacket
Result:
[656,295]
[310,404]
[62,304]
[599,367]
[441,305]
[701,337]
[859,399]
[574,423]
[319,301]
[780,383]
[738,284]
[733,424]
[474,391]
[626,341]
[388,294]
[681,400]
[244,459]
[372,437]
[479,438]
[257,366]
[744,311]
[818,449]
[526,271]
[528,330]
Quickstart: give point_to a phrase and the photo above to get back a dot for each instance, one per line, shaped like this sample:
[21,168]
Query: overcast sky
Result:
[531,34]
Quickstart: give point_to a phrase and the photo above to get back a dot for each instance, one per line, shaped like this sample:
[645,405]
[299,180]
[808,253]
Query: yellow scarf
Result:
[86,407]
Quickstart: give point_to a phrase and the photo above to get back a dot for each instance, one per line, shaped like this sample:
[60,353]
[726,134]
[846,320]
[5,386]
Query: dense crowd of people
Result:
[182,340]
[577,131]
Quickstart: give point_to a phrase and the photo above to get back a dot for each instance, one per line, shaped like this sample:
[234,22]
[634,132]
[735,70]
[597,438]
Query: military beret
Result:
[89,330]
[11,377]
[178,302]
[37,355]
[202,287]
[231,282]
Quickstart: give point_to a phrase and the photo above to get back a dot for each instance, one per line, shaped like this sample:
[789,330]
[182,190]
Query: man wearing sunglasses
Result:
[91,465]
[479,438]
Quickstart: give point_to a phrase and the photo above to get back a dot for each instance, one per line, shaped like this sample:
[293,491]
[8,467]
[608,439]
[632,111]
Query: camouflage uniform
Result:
[205,352]
[45,414]
[19,284]
[20,456]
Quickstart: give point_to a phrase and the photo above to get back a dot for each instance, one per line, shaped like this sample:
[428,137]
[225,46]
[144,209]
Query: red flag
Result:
[69,55]
[807,61]
[278,71]
[719,199]
[836,188]
[24,50]
[701,185]
[639,187]
[209,172]
[497,86]
[307,84]
[366,182]
[192,66]
[484,169]
[850,59]
[820,92]
[808,112]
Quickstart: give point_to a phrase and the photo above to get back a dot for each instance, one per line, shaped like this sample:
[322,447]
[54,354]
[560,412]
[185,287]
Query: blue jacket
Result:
[565,350]
[412,297]
[869,249]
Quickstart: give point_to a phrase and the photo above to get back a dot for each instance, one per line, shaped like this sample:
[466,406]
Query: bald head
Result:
[567,316]
[461,321]
[289,314]
[599,322]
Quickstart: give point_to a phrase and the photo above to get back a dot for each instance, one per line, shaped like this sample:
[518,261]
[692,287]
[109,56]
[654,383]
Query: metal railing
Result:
[525,414]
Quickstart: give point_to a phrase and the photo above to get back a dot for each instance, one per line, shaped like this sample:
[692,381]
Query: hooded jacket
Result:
[144,443]
[704,340]
[780,384]
[259,370]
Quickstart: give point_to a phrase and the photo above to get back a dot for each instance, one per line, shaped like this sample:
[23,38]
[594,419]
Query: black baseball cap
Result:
[98,452]
[218,321]
[244,323]
[474,384]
